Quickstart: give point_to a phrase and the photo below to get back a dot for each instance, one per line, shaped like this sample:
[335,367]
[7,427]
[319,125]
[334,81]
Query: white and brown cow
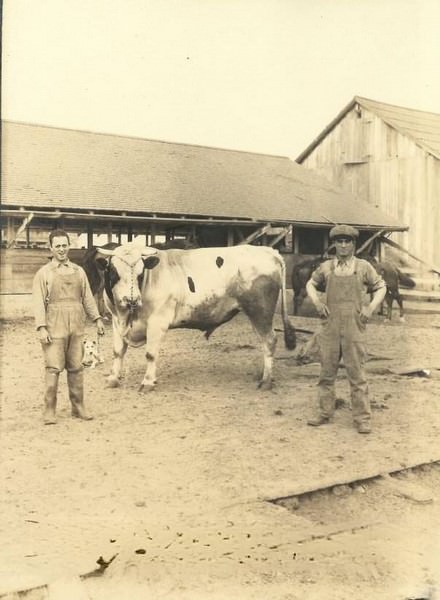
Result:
[149,291]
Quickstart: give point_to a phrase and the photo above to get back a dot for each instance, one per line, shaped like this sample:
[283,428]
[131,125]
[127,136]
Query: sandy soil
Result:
[179,483]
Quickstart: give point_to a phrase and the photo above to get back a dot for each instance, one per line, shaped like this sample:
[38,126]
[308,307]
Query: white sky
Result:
[259,75]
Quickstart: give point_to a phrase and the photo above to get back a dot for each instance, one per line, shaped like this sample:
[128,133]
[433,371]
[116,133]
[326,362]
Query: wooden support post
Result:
[283,234]
[230,236]
[12,237]
[153,234]
[89,235]
[295,241]
[370,240]
[109,232]
[119,235]
[129,233]
[256,234]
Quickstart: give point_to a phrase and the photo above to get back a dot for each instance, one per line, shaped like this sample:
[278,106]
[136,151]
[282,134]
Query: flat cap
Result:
[344,231]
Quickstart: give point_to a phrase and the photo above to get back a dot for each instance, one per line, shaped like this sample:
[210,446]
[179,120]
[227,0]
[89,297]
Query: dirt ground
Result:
[179,484]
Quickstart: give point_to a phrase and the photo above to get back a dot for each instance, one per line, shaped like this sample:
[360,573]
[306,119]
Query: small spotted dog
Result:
[92,355]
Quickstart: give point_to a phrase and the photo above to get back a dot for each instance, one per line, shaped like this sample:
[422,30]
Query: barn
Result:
[102,188]
[388,156]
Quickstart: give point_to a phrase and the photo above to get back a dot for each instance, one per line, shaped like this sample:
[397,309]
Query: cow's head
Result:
[124,273]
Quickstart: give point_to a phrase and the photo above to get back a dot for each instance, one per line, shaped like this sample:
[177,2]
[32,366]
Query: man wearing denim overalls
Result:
[62,298]
[344,317]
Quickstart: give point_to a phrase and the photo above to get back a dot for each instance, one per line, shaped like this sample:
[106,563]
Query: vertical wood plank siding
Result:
[385,168]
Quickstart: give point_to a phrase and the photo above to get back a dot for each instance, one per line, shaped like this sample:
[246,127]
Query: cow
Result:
[392,276]
[149,291]
[94,274]
[301,273]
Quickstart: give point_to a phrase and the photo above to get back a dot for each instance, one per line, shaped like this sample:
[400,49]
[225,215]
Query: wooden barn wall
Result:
[373,161]
[18,267]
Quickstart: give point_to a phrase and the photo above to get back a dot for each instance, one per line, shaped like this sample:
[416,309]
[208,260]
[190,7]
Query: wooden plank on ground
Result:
[406,489]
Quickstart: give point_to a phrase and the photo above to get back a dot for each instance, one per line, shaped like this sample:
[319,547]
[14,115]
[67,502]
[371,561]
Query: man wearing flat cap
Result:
[345,279]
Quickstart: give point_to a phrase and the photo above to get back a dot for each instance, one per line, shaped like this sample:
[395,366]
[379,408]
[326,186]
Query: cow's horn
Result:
[105,251]
[147,251]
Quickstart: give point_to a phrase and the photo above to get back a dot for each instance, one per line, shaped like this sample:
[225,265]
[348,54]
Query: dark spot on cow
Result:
[191,285]
[219,261]
[151,261]
[149,356]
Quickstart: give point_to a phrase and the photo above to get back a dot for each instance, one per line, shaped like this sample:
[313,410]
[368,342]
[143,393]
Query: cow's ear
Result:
[151,261]
[102,263]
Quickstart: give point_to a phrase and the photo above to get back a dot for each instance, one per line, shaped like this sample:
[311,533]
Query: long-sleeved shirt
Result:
[42,285]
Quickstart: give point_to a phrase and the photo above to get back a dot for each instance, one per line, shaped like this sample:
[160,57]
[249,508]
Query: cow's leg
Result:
[119,350]
[156,329]
[389,303]
[259,304]
[400,303]
[269,342]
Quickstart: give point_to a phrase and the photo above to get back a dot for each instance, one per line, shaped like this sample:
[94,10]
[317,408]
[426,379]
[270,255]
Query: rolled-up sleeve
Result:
[317,277]
[88,300]
[39,295]
[373,280]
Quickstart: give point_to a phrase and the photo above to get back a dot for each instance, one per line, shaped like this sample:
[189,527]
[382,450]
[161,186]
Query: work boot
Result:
[50,397]
[317,421]
[75,382]
[364,427]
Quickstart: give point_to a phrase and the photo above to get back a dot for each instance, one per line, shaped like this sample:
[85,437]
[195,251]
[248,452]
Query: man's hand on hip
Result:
[322,309]
[366,313]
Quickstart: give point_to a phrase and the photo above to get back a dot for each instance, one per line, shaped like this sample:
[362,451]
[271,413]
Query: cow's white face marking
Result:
[130,267]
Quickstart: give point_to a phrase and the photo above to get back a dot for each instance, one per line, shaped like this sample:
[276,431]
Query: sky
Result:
[256,75]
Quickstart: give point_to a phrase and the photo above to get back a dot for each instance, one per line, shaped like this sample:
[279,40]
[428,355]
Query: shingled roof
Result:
[46,168]
[422,127]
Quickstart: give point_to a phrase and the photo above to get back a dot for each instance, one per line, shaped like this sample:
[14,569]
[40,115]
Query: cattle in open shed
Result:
[149,291]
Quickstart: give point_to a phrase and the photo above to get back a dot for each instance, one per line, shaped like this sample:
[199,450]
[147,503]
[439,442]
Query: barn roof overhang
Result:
[41,217]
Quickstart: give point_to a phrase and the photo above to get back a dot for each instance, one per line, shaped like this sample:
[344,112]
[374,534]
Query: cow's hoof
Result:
[146,387]
[112,382]
[265,385]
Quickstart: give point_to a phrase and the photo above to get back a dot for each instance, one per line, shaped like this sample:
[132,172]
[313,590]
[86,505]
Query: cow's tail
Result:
[289,329]
[405,280]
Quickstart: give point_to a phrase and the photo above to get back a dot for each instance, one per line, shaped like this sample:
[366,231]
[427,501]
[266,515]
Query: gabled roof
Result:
[422,127]
[51,168]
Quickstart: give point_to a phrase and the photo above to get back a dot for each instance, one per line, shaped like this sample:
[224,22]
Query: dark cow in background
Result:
[149,291]
[95,275]
[301,273]
[392,276]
